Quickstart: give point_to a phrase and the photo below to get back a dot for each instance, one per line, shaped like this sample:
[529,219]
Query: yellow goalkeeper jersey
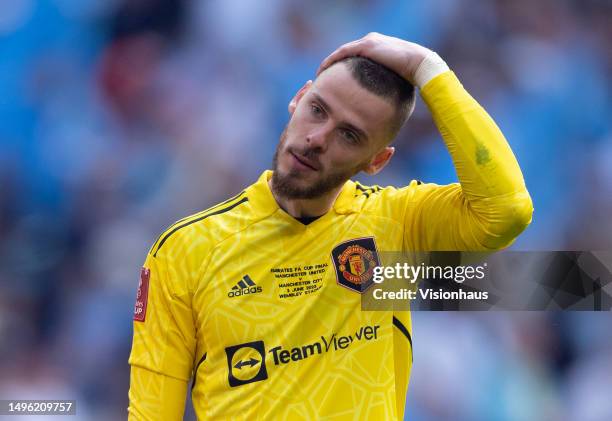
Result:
[263,313]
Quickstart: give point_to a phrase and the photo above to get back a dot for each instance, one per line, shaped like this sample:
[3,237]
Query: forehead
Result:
[352,103]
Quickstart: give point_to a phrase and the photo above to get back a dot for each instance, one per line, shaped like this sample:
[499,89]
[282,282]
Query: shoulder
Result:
[392,201]
[373,195]
[204,229]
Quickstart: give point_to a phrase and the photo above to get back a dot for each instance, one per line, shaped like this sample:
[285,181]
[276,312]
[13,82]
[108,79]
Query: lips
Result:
[305,161]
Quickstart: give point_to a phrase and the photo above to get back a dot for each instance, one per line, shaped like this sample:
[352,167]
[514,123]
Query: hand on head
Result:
[403,57]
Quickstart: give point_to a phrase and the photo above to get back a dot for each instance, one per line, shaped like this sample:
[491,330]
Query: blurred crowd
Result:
[118,117]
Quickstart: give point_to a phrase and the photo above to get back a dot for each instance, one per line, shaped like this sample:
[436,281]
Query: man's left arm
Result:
[491,205]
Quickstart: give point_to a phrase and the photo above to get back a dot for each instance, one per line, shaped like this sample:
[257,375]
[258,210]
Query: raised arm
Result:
[491,205]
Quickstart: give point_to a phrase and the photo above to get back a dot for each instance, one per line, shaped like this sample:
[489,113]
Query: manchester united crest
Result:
[354,261]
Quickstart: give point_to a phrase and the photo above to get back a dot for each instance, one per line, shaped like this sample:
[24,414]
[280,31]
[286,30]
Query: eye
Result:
[316,110]
[349,136]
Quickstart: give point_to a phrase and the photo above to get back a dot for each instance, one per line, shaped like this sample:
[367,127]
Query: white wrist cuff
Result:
[431,66]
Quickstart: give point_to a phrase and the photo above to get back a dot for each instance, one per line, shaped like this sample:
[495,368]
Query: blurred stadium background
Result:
[118,117]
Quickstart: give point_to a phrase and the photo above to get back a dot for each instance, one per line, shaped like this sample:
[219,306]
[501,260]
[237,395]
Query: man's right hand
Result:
[403,57]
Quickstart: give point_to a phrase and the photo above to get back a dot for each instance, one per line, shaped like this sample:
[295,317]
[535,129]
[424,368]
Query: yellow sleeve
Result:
[490,206]
[164,343]
[155,396]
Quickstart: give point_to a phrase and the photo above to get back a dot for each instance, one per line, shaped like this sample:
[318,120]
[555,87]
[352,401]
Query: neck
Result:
[300,208]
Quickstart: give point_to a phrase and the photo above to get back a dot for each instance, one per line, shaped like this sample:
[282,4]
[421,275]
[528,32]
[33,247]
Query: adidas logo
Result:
[243,287]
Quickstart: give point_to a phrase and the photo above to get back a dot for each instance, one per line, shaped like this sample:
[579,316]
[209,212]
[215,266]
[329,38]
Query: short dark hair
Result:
[384,82]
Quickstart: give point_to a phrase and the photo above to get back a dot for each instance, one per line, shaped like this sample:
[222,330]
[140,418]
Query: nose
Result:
[318,138]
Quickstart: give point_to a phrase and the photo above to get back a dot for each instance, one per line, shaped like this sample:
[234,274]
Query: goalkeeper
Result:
[256,301]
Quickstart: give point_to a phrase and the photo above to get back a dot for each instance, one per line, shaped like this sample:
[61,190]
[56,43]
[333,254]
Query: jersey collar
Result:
[264,203]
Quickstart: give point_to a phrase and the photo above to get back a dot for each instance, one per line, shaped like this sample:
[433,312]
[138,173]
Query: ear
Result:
[294,101]
[380,160]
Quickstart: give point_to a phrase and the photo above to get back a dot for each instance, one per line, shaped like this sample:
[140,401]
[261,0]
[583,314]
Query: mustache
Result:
[310,154]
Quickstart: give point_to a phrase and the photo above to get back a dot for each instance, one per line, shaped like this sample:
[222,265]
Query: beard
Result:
[288,185]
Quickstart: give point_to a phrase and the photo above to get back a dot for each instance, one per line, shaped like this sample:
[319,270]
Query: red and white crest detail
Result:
[140,309]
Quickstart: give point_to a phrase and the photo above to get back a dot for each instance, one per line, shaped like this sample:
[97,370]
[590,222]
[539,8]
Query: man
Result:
[257,300]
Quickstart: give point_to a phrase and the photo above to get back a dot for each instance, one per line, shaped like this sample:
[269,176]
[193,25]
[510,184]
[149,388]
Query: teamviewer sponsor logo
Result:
[244,287]
[246,363]
[330,343]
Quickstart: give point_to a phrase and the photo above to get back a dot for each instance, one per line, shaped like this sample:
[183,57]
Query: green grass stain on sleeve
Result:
[482,154]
